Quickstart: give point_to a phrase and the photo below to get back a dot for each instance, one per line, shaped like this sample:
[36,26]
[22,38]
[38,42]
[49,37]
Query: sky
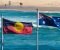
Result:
[42,3]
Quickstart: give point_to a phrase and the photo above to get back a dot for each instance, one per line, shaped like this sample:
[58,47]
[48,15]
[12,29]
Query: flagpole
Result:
[2,29]
[37,28]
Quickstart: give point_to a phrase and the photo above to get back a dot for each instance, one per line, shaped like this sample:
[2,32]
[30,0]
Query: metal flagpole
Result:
[2,29]
[37,28]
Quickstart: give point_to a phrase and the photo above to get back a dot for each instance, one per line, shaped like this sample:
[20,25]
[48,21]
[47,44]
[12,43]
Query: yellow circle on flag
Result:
[19,26]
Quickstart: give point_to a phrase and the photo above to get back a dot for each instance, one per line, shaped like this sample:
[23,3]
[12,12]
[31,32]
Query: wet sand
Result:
[31,8]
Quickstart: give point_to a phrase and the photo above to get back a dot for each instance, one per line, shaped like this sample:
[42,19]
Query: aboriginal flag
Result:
[16,27]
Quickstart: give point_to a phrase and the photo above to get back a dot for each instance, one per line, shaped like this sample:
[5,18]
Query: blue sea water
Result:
[0,38]
[48,37]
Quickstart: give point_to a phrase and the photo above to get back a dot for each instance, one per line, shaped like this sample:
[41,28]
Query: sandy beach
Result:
[30,8]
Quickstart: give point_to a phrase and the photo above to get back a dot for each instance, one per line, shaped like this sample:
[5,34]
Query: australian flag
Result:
[16,27]
[49,21]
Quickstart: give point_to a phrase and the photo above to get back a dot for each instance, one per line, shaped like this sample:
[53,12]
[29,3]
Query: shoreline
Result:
[32,11]
[30,8]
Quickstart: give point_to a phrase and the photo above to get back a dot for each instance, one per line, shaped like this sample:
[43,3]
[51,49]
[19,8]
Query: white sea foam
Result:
[43,26]
[20,20]
[44,11]
[35,25]
[49,11]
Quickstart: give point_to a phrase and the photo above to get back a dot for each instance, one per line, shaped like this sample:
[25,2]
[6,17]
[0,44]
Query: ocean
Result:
[48,37]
